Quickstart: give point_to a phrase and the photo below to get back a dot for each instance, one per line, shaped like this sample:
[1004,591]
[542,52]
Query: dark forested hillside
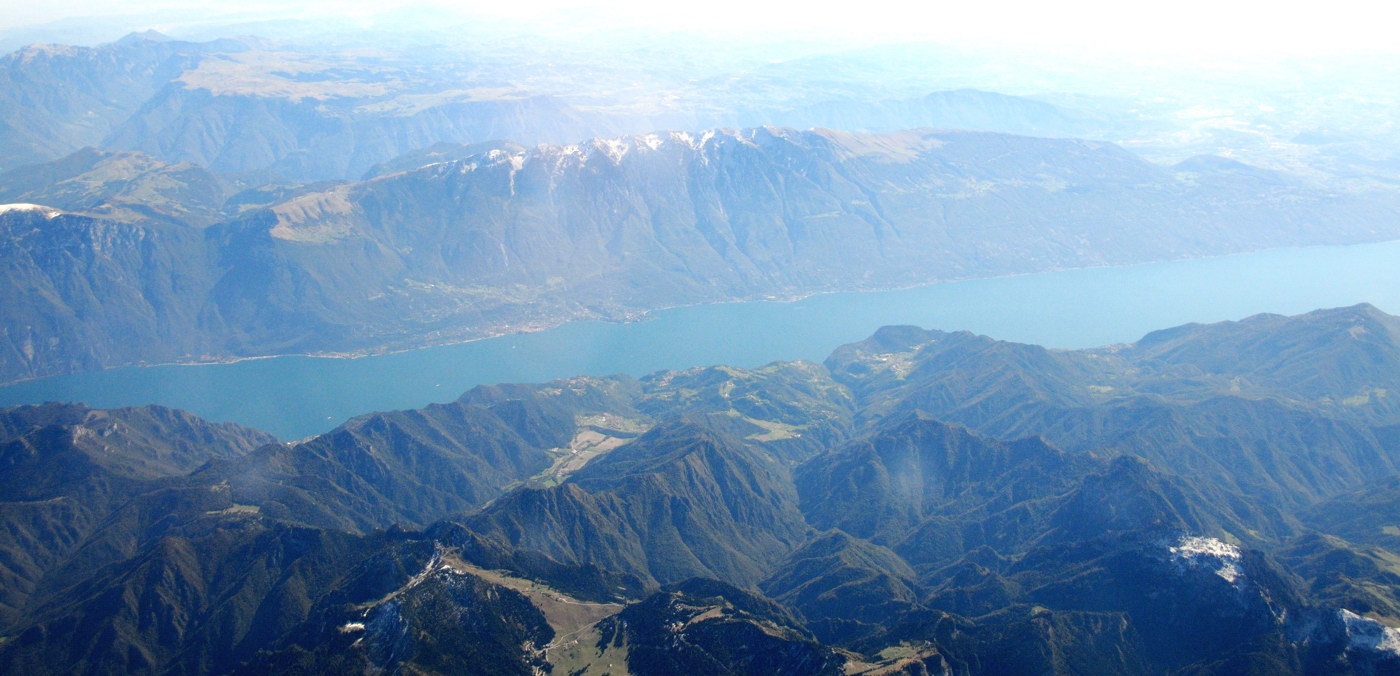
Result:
[1211,499]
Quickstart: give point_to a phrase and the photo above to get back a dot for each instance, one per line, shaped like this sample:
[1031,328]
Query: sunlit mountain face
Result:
[358,184]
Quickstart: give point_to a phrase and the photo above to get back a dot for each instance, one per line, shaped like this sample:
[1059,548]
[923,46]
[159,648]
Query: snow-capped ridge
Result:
[1367,634]
[614,150]
[499,157]
[47,212]
[1206,552]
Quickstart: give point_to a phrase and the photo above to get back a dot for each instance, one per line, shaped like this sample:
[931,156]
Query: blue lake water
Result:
[294,397]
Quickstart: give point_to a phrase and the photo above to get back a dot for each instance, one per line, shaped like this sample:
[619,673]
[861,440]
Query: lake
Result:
[295,397]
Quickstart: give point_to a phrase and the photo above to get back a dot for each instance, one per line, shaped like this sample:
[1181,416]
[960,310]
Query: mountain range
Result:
[247,105]
[178,201]
[1210,499]
[306,112]
[116,258]
[1215,499]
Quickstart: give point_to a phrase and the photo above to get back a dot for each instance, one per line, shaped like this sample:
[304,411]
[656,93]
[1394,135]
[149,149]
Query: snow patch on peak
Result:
[560,157]
[46,212]
[1207,552]
[684,138]
[1192,545]
[1368,634]
[433,565]
[614,148]
[651,141]
[498,157]
[569,153]
[747,137]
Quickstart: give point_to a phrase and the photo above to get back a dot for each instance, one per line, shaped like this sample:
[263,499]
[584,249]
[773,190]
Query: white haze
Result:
[1186,29]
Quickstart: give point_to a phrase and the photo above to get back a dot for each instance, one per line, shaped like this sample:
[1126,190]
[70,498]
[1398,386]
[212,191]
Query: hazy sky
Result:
[1181,27]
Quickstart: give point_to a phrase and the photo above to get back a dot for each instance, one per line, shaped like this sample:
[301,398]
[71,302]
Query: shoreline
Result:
[637,316]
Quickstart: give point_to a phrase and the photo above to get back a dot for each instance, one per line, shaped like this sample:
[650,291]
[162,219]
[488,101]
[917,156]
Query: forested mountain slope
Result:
[1211,499]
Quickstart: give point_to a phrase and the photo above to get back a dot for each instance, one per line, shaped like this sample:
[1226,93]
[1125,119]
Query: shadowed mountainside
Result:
[1201,514]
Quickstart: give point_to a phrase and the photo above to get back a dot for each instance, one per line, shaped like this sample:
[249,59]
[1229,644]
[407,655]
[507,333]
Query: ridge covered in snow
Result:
[1368,634]
[614,149]
[47,212]
[1207,552]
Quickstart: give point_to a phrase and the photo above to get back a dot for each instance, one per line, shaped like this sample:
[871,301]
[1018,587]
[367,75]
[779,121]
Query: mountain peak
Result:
[150,35]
